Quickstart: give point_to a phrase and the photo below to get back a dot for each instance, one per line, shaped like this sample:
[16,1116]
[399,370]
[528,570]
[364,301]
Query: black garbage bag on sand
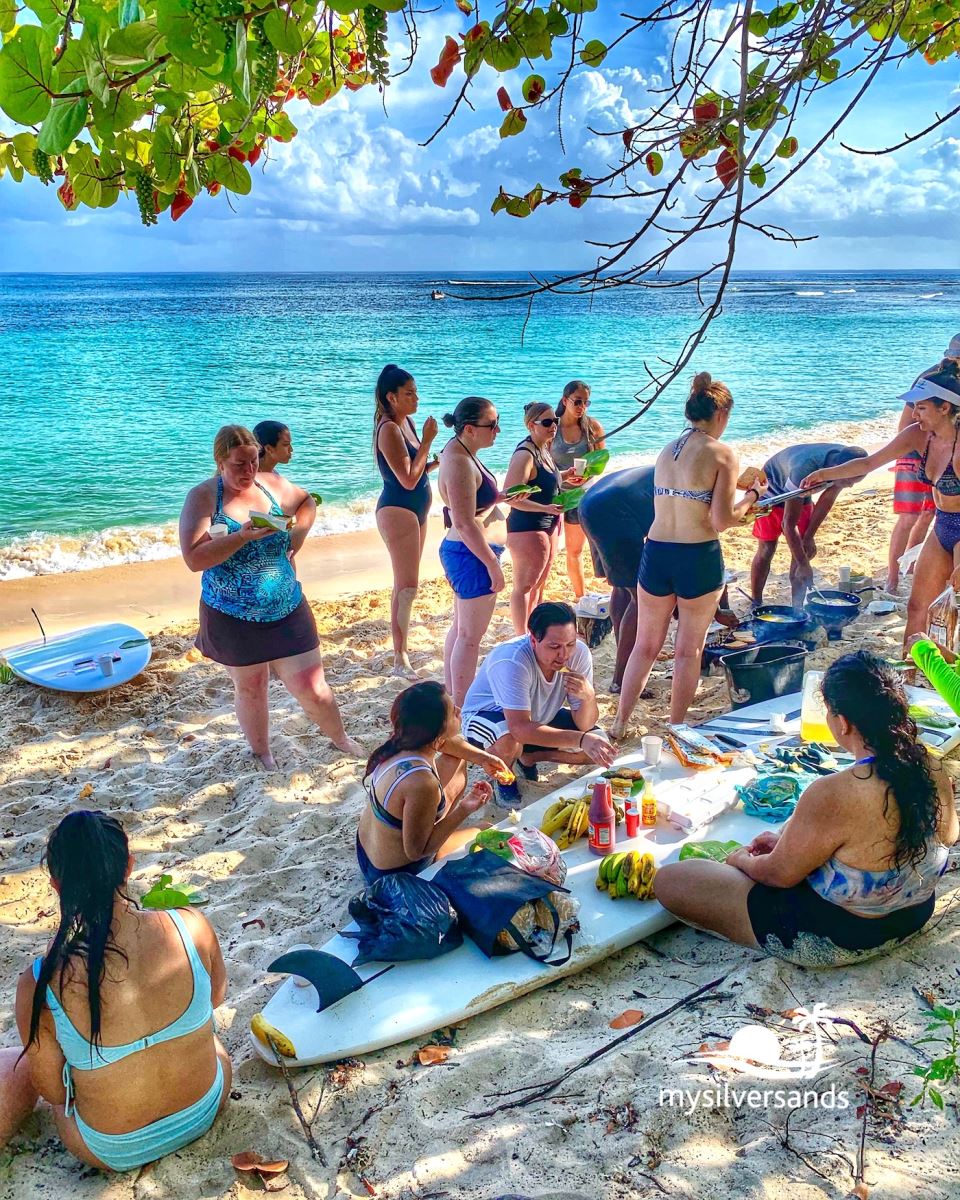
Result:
[403,917]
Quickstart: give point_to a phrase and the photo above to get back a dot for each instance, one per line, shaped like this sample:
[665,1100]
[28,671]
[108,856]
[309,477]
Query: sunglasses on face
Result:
[580,403]
[547,422]
[489,425]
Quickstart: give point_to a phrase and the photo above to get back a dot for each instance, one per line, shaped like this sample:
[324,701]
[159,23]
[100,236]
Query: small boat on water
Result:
[436,294]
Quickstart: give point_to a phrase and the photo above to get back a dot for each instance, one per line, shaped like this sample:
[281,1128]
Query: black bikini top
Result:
[487,491]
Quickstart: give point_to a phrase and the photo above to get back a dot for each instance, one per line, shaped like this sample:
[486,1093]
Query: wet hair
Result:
[229,437]
[535,410]
[390,379]
[707,397]
[470,411]
[87,857]
[418,716]
[268,433]
[552,612]
[588,426]
[863,690]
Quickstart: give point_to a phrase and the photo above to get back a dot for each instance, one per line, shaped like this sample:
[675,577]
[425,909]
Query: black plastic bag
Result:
[403,917]
[487,894]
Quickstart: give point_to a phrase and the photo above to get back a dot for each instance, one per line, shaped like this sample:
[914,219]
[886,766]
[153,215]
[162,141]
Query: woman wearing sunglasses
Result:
[577,435]
[533,526]
[470,563]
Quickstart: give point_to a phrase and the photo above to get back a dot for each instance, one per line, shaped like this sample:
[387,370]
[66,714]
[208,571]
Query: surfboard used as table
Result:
[92,659]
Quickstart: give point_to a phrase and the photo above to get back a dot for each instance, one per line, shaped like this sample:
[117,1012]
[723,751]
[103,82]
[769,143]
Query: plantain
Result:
[558,821]
[556,807]
[622,889]
[264,1032]
[562,839]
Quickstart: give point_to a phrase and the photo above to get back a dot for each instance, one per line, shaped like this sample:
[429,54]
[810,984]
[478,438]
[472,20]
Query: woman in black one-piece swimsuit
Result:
[533,526]
[405,500]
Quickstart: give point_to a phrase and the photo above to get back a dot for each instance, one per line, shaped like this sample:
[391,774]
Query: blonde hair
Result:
[535,410]
[228,438]
[707,397]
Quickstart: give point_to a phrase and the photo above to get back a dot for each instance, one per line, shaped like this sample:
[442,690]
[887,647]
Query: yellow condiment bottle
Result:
[813,712]
[648,806]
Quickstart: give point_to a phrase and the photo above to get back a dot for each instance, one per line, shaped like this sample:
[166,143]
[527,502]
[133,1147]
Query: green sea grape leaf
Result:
[167,161]
[64,120]
[162,895]
[26,76]
[596,463]
[233,175]
[317,498]
[178,25]
[94,182]
[8,15]
[717,851]
[570,498]
[137,43]
[283,32]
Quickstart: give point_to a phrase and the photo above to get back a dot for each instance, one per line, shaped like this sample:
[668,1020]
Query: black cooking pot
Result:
[776,622]
[833,610]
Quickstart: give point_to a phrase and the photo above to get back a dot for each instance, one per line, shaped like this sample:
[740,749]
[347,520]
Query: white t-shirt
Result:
[510,677]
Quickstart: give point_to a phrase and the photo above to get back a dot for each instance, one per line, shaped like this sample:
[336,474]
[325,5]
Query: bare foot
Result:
[266,760]
[349,746]
[403,668]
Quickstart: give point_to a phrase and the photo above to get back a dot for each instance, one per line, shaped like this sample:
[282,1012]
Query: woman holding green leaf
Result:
[577,434]
[116,1017]
[533,526]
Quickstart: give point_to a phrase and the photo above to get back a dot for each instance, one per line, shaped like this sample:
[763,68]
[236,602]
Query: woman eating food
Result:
[416,807]
[116,1016]
[533,526]
[853,873]
[253,613]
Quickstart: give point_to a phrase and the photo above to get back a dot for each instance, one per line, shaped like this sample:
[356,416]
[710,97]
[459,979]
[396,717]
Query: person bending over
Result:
[798,519]
[533,700]
[854,871]
[116,1017]
[935,435]
[681,566]
[276,447]
[416,810]
[253,613]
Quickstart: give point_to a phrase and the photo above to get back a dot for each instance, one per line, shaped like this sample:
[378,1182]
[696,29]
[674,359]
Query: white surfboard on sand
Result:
[415,998]
[92,659]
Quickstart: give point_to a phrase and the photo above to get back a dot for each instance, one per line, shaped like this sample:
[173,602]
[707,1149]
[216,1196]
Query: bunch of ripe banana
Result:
[627,874]
[567,820]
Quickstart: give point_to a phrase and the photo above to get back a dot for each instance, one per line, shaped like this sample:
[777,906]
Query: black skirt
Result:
[237,643]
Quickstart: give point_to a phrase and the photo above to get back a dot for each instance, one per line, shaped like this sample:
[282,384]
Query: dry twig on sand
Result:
[312,1143]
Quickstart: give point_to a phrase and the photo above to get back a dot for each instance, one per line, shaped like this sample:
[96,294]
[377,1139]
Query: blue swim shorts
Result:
[465,573]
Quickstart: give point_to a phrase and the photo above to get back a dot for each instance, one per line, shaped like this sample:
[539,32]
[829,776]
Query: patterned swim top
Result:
[704,497]
[876,893]
[258,581]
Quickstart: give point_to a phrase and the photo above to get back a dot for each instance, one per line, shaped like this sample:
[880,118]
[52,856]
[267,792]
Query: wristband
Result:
[754,490]
[582,736]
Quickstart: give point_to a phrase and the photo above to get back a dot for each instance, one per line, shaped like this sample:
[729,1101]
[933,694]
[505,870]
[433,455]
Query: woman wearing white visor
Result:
[934,436]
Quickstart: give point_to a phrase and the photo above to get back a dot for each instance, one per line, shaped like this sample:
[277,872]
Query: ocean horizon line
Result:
[465,271]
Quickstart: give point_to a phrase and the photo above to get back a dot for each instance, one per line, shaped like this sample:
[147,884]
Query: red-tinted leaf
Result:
[246,1160]
[431,1055]
[503,99]
[630,1016]
[726,168]
[449,57]
[894,1088]
[181,202]
[705,111]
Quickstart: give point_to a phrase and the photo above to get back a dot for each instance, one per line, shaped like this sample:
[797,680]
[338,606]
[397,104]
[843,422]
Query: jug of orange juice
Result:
[813,712]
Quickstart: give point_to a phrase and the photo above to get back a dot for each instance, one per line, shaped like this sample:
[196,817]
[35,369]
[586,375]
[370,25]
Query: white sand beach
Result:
[275,853]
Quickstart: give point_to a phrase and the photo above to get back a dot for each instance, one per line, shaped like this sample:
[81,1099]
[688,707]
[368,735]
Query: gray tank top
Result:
[563,452]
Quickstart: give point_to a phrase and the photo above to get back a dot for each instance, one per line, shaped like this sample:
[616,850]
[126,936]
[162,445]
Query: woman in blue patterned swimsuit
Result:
[853,874]
[253,613]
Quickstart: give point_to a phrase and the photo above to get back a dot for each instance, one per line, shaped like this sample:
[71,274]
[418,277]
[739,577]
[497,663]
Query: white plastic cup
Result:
[219,529]
[843,576]
[652,749]
[105,663]
[579,465]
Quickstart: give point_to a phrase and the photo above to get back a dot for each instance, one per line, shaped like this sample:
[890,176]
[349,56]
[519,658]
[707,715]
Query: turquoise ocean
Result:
[113,386]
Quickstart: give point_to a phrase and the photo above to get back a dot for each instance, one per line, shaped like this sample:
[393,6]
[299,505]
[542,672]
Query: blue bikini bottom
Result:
[946,525]
[127,1151]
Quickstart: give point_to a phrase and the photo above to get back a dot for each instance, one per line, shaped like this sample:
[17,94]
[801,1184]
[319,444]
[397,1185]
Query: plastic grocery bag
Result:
[942,620]
[403,917]
[538,855]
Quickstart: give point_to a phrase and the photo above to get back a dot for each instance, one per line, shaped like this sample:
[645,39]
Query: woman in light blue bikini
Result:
[853,874]
[116,1019]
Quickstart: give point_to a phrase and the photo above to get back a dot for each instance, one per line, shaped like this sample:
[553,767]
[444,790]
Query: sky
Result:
[356,190]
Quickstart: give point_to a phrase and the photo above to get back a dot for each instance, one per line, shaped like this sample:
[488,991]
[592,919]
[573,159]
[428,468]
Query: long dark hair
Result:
[418,716]
[588,426]
[87,857]
[870,696]
[268,433]
[390,379]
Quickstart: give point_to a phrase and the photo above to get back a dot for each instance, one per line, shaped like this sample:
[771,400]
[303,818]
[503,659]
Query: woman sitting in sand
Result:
[853,872]
[276,446]
[935,436]
[533,526]
[116,1019]
[470,563]
[414,816]
[253,613]
[403,461]
[681,566]
[577,434]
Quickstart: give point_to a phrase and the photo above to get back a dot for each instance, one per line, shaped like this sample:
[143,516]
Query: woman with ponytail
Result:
[681,567]
[403,461]
[416,809]
[853,873]
[116,1019]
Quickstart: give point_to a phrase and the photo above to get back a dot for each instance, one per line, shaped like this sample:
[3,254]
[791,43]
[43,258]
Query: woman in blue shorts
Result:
[470,563]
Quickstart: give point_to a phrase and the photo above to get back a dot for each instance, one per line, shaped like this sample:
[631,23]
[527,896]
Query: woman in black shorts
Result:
[533,526]
[694,498]
[402,509]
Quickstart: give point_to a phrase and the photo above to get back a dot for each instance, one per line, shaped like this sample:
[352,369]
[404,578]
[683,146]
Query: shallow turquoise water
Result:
[112,387]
